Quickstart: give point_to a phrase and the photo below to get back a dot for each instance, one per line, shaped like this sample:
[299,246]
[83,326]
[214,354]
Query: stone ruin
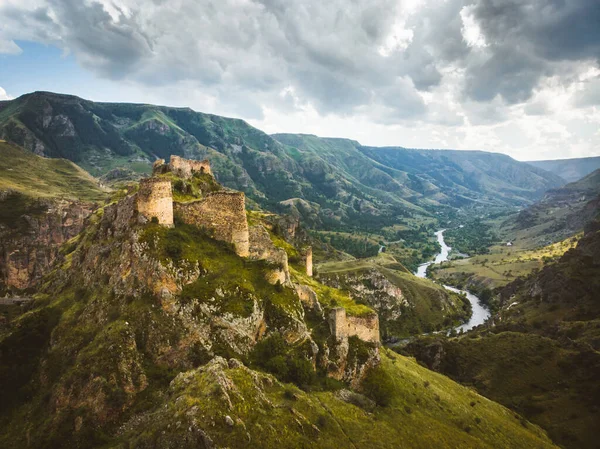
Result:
[155,200]
[342,326]
[308,259]
[184,168]
[223,215]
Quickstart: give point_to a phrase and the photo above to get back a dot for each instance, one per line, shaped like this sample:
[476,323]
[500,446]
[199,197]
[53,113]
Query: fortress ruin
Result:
[341,326]
[223,214]
[308,257]
[184,168]
[155,200]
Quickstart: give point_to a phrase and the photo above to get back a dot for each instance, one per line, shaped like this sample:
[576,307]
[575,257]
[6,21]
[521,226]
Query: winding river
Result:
[480,313]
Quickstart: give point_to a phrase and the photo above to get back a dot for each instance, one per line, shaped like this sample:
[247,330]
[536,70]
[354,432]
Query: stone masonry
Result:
[155,199]
[366,328]
[184,168]
[223,214]
[263,248]
[308,256]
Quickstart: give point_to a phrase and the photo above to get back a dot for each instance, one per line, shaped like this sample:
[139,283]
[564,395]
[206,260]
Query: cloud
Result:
[8,47]
[4,95]
[469,65]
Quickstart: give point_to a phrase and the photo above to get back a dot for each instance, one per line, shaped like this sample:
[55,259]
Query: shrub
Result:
[379,386]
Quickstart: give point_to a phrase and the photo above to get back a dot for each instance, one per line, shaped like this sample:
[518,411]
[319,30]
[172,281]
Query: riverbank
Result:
[480,313]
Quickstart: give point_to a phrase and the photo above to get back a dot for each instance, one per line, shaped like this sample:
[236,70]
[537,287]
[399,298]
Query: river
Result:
[480,313]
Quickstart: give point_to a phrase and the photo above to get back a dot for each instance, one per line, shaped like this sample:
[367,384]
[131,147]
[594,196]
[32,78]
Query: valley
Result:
[211,285]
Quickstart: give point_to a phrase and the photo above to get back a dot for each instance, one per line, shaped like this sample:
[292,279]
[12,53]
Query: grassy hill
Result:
[36,176]
[406,305]
[570,170]
[541,356]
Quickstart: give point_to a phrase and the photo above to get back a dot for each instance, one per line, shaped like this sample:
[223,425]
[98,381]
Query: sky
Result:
[521,77]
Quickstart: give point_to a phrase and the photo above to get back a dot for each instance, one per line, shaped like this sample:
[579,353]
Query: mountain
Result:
[540,354]
[569,169]
[332,183]
[43,203]
[560,213]
[177,318]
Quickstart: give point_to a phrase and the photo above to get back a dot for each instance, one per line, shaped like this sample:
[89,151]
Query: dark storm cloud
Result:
[528,40]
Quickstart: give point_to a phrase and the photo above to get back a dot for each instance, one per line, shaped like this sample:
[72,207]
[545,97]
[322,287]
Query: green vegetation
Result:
[39,177]
[474,237]
[541,357]
[422,410]
[422,306]
[503,264]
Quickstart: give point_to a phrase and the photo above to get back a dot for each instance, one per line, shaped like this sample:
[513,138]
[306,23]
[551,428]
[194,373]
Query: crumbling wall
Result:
[366,328]
[309,298]
[261,247]
[155,199]
[223,215]
[308,258]
[185,168]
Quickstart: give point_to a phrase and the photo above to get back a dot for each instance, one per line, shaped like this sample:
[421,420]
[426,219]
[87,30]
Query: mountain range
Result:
[332,183]
[570,170]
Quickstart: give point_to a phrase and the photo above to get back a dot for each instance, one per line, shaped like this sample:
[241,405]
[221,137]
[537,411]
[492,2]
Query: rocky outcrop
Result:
[309,298]
[262,248]
[372,287]
[30,246]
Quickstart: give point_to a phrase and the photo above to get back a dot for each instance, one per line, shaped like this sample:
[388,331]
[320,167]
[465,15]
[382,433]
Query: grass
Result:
[39,177]
[550,384]
[502,265]
[423,307]
[424,410]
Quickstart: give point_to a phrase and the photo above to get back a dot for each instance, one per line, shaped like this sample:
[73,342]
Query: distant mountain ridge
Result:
[561,212]
[569,169]
[344,184]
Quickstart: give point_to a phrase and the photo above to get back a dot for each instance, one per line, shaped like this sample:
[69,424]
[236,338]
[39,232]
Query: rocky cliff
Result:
[30,242]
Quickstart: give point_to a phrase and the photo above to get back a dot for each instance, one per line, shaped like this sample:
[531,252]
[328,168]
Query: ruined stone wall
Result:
[309,298]
[185,168]
[308,256]
[155,199]
[261,247]
[223,214]
[366,328]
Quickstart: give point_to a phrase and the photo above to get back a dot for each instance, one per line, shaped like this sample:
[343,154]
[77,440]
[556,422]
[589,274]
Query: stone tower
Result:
[155,199]
[309,261]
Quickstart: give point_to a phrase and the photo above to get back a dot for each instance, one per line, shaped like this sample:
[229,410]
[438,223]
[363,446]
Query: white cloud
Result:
[470,74]
[8,47]
[4,95]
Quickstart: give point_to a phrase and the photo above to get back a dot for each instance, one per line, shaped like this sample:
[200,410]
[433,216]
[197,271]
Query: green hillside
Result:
[406,305]
[541,355]
[36,176]
[175,341]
